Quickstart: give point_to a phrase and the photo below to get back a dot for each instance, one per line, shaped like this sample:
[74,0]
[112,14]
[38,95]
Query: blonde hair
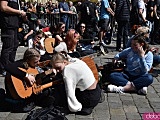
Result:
[142,30]
[58,57]
[31,53]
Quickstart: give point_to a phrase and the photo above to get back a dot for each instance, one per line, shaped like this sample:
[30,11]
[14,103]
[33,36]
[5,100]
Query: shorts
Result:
[104,24]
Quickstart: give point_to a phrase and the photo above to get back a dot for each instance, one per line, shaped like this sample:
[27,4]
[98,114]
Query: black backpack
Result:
[48,113]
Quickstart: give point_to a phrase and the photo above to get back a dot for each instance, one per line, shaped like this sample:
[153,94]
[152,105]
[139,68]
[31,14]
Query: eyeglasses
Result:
[82,26]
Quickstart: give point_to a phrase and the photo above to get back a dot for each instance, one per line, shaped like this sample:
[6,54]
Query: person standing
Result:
[105,12]
[9,12]
[122,15]
[64,13]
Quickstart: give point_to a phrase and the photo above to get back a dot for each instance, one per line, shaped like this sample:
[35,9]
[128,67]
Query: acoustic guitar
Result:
[49,45]
[21,89]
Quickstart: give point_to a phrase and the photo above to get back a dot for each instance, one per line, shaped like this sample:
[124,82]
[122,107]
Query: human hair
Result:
[39,32]
[58,57]
[142,39]
[31,53]
[58,26]
[70,39]
[142,30]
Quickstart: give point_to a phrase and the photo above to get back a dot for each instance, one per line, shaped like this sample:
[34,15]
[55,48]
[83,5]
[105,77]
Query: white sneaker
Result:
[113,88]
[143,91]
[102,50]
[103,44]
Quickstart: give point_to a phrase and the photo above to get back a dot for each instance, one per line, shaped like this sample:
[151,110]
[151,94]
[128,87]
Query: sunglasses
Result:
[63,27]
[39,37]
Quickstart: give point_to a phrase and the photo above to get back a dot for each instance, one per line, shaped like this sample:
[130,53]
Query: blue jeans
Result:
[121,79]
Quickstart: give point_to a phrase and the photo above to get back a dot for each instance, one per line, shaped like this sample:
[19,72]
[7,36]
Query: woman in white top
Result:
[81,88]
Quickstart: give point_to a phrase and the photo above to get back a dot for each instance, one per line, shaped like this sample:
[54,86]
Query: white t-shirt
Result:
[30,45]
[61,47]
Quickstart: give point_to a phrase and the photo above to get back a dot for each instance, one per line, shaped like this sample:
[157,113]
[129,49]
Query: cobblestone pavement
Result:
[129,106]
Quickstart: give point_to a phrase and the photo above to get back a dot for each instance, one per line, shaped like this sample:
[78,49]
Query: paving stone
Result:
[151,89]
[130,109]
[128,103]
[118,111]
[118,117]
[133,116]
[155,99]
[155,104]
[115,105]
[152,95]
[71,117]
[15,116]
[114,99]
[157,90]
[4,114]
[145,110]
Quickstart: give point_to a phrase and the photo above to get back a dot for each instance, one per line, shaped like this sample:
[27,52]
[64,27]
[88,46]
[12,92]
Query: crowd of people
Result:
[80,90]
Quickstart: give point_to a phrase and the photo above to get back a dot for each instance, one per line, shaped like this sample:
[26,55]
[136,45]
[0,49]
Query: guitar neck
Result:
[37,89]
[51,84]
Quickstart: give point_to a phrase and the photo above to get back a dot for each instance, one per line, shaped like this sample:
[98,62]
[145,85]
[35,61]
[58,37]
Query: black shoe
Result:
[85,111]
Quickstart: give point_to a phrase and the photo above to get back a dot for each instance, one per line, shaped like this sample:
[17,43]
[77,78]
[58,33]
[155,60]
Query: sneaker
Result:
[143,91]
[103,44]
[102,50]
[113,88]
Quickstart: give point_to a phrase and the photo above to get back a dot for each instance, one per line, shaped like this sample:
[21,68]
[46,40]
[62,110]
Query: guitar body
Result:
[19,88]
[49,45]
[91,64]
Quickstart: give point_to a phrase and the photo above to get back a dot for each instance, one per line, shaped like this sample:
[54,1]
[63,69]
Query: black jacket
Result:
[122,12]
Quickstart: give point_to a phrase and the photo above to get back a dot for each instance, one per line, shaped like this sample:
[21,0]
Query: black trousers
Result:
[10,45]
[155,30]
[122,34]
[88,98]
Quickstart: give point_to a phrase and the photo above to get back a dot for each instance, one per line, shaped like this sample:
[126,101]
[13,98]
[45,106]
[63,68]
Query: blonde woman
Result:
[81,89]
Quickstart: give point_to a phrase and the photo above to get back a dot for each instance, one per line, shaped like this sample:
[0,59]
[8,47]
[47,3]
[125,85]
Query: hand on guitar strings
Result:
[31,79]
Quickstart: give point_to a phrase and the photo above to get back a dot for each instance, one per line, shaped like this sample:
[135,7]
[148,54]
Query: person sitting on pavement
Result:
[81,89]
[141,30]
[37,42]
[86,42]
[30,61]
[59,33]
[135,77]
[69,44]
[26,30]
[146,33]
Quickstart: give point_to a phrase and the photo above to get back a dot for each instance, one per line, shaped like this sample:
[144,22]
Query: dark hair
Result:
[58,26]
[142,39]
